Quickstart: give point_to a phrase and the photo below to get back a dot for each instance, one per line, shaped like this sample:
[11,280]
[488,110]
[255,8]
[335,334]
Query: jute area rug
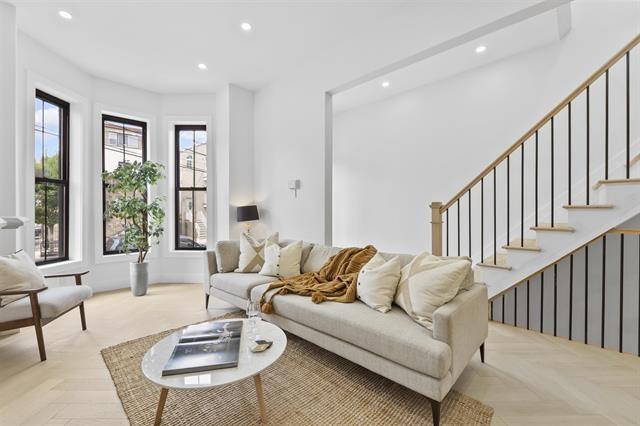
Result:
[306,386]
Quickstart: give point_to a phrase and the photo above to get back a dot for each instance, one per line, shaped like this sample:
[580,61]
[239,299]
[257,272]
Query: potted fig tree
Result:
[142,219]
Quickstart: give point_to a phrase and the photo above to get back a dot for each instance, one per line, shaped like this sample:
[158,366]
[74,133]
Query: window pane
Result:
[185,220]
[49,222]
[39,247]
[55,221]
[133,143]
[51,156]
[51,118]
[38,115]
[37,153]
[186,140]
[200,137]
[200,213]
[201,171]
[114,231]
[186,169]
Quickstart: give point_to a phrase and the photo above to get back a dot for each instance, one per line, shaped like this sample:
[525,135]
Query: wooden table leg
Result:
[163,399]
[261,406]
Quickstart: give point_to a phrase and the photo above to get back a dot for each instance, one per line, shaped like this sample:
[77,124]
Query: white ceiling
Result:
[157,45]
[534,32]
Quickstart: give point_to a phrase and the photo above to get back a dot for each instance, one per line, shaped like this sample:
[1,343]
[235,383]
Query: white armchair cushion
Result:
[53,302]
[18,272]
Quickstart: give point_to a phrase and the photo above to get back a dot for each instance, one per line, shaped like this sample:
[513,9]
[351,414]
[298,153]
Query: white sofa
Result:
[389,344]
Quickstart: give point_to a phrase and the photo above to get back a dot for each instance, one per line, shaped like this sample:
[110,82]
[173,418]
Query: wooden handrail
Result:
[615,58]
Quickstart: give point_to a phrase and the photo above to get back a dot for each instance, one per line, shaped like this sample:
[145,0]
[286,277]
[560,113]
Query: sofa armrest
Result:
[463,324]
[210,268]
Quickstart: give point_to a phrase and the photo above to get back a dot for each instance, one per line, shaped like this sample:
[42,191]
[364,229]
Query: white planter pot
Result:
[139,278]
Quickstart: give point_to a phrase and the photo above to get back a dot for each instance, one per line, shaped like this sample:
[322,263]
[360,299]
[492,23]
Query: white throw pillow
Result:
[377,282]
[282,262]
[252,252]
[18,272]
[429,282]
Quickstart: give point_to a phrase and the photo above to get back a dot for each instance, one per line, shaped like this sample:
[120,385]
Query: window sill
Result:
[58,267]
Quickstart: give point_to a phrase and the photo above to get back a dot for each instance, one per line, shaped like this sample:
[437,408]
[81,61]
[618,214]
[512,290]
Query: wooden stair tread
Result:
[588,206]
[501,262]
[615,182]
[558,227]
[528,245]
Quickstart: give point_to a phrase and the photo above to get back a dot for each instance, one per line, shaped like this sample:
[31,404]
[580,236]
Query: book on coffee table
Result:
[207,346]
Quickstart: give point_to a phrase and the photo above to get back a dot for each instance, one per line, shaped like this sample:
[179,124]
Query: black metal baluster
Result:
[604,272]
[542,302]
[527,304]
[495,251]
[492,310]
[570,297]
[552,171]
[482,219]
[503,308]
[515,306]
[508,196]
[606,126]
[588,142]
[522,195]
[628,115]
[569,157]
[469,222]
[447,232]
[536,185]
[586,294]
[621,292]
[458,207]
[555,299]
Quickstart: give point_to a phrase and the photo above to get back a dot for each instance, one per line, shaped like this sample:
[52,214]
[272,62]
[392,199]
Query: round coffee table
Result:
[249,365]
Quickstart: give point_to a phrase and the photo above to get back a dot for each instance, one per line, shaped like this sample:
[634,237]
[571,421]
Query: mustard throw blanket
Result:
[335,281]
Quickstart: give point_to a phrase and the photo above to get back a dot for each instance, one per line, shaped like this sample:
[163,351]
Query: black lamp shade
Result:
[247,213]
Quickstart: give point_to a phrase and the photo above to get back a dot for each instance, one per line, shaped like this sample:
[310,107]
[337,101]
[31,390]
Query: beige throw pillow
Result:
[282,262]
[18,272]
[429,282]
[252,252]
[377,282]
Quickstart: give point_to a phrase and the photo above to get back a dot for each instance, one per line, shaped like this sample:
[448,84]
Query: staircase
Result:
[570,179]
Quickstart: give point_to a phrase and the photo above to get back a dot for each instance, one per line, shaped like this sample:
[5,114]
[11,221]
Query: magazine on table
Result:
[207,346]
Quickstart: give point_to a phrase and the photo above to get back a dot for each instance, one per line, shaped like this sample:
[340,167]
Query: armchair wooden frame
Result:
[36,319]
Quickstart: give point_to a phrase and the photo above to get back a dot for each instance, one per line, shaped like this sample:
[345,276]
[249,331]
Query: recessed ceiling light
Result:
[202,66]
[64,14]
[385,84]
[481,48]
[246,26]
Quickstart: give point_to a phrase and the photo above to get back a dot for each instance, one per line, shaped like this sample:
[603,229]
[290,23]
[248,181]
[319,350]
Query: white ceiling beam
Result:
[467,37]
[565,20]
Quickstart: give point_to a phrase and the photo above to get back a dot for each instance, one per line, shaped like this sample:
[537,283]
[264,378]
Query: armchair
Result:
[44,305]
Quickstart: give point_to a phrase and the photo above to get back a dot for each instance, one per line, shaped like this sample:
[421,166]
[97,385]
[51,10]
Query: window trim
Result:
[177,188]
[121,120]
[64,172]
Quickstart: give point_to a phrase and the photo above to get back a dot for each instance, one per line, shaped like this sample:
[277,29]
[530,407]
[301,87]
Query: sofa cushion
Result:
[239,283]
[282,262]
[404,258]
[252,252]
[53,302]
[227,255]
[393,335]
[318,256]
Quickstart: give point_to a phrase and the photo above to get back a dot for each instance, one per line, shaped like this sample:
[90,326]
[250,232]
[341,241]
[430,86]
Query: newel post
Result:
[436,228]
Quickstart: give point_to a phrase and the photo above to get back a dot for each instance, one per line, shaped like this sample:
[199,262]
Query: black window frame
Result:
[123,121]
[177,188]
[63,182]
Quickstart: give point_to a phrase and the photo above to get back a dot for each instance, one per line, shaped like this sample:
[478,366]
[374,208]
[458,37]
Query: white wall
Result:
[89,98]
[289,113]
[393,157]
